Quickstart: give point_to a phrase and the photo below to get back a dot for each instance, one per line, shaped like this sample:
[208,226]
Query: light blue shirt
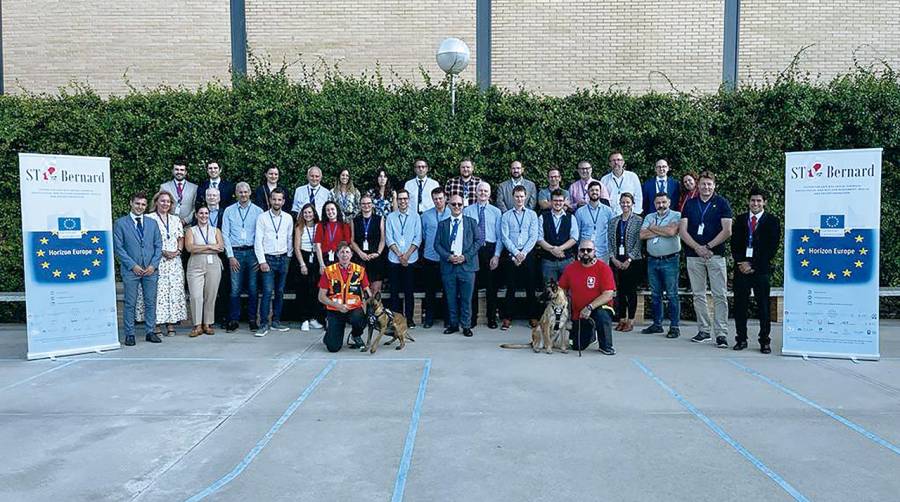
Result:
[404,230]
[239,226]
[518,231]
[557,220]
[491,222]
[430,220]
[593,224]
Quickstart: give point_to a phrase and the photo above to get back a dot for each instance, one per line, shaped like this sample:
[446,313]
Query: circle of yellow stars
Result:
[815,272]
[72,275]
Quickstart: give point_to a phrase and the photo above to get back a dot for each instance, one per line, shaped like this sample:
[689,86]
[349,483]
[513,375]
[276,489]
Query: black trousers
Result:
[519,277]
[627,282]
[759,284]
[401,279]
[307,306]
[431,277]
[337,321]
[488,280]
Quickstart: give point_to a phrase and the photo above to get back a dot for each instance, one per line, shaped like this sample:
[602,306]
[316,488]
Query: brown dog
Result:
[385,322]
[552,330]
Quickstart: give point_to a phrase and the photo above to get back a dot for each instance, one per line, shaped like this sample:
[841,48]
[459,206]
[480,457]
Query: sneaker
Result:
[304,326]
[701,337]
[356,342]
[740,345]
[261,331]
[505,325]
[674,332]
[721,342]
[608,352]
[280,327]
[652,329]
[314,324]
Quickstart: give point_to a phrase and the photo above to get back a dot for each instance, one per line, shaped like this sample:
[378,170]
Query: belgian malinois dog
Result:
[385,322]
[552,330]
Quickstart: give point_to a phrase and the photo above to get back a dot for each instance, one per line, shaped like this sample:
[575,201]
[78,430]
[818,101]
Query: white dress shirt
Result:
[630,183]
[457,244]
[274,235]
[412,186]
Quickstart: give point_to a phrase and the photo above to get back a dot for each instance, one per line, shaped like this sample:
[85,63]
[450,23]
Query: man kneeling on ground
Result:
[341,289]
[591,287]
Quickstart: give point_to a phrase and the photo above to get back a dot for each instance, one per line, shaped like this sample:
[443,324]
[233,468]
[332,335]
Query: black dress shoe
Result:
[450,331]
[467,332]
[427,324]
[232,326]
[492,324]
[152,338]
[765,349]
[253,326]
[129,340]
[410,325]
[740,346]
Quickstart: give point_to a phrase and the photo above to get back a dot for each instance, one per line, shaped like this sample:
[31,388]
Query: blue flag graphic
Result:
[849,259]
[83,259]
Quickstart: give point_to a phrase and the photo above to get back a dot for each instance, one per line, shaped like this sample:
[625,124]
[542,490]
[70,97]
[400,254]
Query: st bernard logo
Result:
[52,173]
[49,174]
[819,170]
[591,282]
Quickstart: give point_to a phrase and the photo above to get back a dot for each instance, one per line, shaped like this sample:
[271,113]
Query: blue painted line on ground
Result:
[251,455]
[51,370]
[406,460]
[849,423]
[724,435]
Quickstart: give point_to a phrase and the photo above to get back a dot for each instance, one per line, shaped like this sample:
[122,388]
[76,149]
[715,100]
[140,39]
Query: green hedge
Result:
[360,123]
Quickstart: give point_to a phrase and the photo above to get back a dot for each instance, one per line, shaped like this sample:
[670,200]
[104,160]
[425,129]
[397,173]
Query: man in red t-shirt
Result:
[591,288]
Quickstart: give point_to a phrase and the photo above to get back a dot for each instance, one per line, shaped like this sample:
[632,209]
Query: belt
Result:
[666,257]
[242,248]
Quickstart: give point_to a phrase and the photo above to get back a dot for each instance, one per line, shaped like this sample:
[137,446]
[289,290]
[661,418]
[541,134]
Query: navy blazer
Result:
[131,249]
[226,193]
[469,245]
[649,192]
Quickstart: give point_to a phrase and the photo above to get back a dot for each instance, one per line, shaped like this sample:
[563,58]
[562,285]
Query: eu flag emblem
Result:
[816,257]
[68,227]
[72,259]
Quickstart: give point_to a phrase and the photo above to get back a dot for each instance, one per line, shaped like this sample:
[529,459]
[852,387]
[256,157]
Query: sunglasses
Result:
[455,204]
[585,250]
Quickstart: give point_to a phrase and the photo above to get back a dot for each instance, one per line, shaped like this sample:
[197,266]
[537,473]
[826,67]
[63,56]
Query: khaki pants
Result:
[203,284]
[701,270]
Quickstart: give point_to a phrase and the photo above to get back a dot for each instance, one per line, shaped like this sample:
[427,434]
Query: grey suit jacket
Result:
[505,195]
[469,245]
[188,199]
[132,249]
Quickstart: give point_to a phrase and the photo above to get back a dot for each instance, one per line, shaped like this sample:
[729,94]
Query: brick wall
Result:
[49,43]
[557,45]
[400,35]
[772,31]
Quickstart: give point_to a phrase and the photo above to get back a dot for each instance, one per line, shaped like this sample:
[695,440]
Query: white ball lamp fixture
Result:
[452,57]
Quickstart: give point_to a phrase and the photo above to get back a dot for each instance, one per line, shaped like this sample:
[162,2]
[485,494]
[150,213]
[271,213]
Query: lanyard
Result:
[402,217]
[518,220]
[704,209]
[661,218]
[594,216]
[623,225]
[366,223]
[309,235]
[280,217]
[332,230]
[168,235]
[243,215]
[750,230]
[312,194]
[205,237]
[618,183]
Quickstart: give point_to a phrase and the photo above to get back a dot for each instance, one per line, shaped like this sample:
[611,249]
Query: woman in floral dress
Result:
[171,307]
[346,196]
[384,198]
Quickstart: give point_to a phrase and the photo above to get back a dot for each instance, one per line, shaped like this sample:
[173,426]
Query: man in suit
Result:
[225,187]
[662,183]
[457,245]
[505,190]
[184,191]
[754,242]
[138,244]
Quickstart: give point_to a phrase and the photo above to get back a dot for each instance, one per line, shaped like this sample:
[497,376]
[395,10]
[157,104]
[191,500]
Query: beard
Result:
[586,259]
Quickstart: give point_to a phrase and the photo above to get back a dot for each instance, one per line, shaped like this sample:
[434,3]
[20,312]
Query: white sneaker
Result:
[315,324]
[304,326]
[262,331]
[280,327]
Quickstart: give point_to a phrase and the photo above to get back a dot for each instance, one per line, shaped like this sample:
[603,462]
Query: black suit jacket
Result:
[226,193]
[766,240]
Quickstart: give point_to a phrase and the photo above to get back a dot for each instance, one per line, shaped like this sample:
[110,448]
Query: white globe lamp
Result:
[452,57]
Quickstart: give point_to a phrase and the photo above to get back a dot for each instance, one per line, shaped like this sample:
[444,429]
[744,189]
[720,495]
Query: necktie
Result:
[215,184]
[421,189]
[180,188]
[481,222]
[454,230]
[660,186]
[140,226]
[753,224]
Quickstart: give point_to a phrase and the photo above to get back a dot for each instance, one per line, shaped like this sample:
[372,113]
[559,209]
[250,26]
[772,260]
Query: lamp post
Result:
[452,57]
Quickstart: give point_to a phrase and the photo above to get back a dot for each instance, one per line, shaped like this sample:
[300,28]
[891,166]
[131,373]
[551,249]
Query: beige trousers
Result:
[203,284]
[701,270]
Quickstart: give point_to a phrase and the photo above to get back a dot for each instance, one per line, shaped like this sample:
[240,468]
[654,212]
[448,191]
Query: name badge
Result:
[621,250]
[331,255]
[243,234]
[311,257]
[209,259]
[402,244]
[749,252]
[420,208]
[655,240]
[700,229]
[365,245]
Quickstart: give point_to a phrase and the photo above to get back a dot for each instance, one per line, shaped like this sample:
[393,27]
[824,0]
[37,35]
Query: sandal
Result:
[170,330]
[157,331]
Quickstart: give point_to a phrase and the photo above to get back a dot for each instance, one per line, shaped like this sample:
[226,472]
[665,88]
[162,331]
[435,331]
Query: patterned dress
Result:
[382,206]
[348,202]
[171,306]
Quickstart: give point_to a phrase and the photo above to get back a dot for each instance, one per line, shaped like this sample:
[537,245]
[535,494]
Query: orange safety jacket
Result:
[349,293]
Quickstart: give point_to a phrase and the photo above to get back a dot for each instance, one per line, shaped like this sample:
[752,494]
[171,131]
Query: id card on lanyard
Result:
[749,253]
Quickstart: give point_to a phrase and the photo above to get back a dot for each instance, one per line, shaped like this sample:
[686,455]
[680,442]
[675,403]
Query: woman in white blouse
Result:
[307,289]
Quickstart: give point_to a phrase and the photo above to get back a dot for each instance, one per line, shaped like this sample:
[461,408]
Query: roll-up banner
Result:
[70,289]
[831,253]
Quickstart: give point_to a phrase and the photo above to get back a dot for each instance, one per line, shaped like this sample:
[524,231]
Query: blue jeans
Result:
[459,285]
[274,279]
[246,276]
[663,277]
[551,269]
[583,333]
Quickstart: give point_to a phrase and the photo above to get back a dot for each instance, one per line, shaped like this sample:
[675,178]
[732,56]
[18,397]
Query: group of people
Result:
[597,240]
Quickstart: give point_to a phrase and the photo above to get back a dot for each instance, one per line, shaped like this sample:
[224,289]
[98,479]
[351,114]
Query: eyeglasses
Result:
[585,250]
[455,204]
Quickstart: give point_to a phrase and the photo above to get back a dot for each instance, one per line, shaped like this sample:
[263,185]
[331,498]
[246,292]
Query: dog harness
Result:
[374,316]
[557,316]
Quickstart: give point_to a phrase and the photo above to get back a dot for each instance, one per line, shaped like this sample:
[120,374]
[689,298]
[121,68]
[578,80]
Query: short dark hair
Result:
[628,195]
[661,194]
[593,184]
[342,245]
[519,188]
[402,191]
[758,191]
[708,175]
[140,194]
[277,190]
[557,193]
[438,190]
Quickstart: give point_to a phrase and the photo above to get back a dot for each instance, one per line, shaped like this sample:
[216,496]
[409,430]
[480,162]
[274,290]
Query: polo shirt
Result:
[658,245]
[710,214]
